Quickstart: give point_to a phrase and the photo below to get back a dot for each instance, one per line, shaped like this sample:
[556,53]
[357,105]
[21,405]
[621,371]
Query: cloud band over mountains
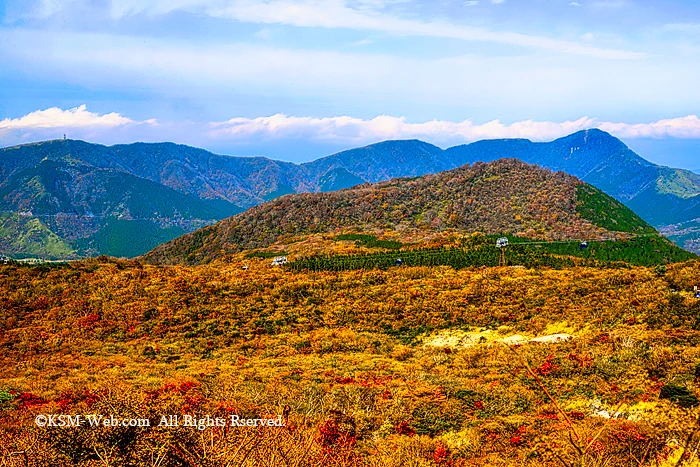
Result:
[80,123]
[387,127]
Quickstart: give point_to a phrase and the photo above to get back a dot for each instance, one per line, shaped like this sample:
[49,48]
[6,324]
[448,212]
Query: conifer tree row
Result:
[480,250]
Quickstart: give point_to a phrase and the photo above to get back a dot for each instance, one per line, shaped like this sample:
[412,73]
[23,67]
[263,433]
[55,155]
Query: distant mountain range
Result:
[67,198]
[506,196]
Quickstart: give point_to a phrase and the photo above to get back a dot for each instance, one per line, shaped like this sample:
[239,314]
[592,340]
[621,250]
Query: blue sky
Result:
[298,79]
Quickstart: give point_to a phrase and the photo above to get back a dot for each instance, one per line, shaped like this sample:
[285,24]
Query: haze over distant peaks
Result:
[84,198]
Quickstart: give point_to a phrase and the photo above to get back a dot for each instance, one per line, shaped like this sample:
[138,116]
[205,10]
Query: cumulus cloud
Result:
[350,130]
[78,117]
[77,123]
[683,127]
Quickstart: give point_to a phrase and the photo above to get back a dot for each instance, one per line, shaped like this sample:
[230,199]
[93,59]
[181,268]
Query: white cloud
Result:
[78,123]
[683,127]
[170,66]
[337,14]
[471,3]
[40,9]
[345,129]
[349,79]
[497,2]
[78,117]
[367,16]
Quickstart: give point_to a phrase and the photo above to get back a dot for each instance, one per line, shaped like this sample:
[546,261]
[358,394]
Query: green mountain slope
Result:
[90,208]
[24,236]
[123,238]
[606,212]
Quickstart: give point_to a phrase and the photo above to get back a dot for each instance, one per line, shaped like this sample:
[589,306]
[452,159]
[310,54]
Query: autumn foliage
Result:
[502,197]
[404,366]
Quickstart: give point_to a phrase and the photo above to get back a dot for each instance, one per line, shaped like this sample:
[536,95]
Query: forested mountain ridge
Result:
[82,201]
[189,187]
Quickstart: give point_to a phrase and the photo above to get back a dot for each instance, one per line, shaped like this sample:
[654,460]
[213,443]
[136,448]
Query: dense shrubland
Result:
[362,360]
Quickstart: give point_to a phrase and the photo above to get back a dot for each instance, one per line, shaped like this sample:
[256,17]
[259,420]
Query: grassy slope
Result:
[65,186]
[29,237]
[678,182]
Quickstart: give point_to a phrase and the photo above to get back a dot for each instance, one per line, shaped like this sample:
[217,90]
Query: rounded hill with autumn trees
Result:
[506,196]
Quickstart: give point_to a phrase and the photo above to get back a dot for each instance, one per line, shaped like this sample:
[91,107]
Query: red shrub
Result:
[404,428]
[88,322]
[548,366]
[27,399]
[442,455]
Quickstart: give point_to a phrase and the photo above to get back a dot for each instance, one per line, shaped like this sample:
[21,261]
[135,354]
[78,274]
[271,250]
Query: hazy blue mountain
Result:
[383,161]
[594,156]
[76,190]
[243,181]
[338,179]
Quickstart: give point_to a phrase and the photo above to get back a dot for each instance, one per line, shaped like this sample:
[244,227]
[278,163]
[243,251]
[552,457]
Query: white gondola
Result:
[502,242]
[279,260]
